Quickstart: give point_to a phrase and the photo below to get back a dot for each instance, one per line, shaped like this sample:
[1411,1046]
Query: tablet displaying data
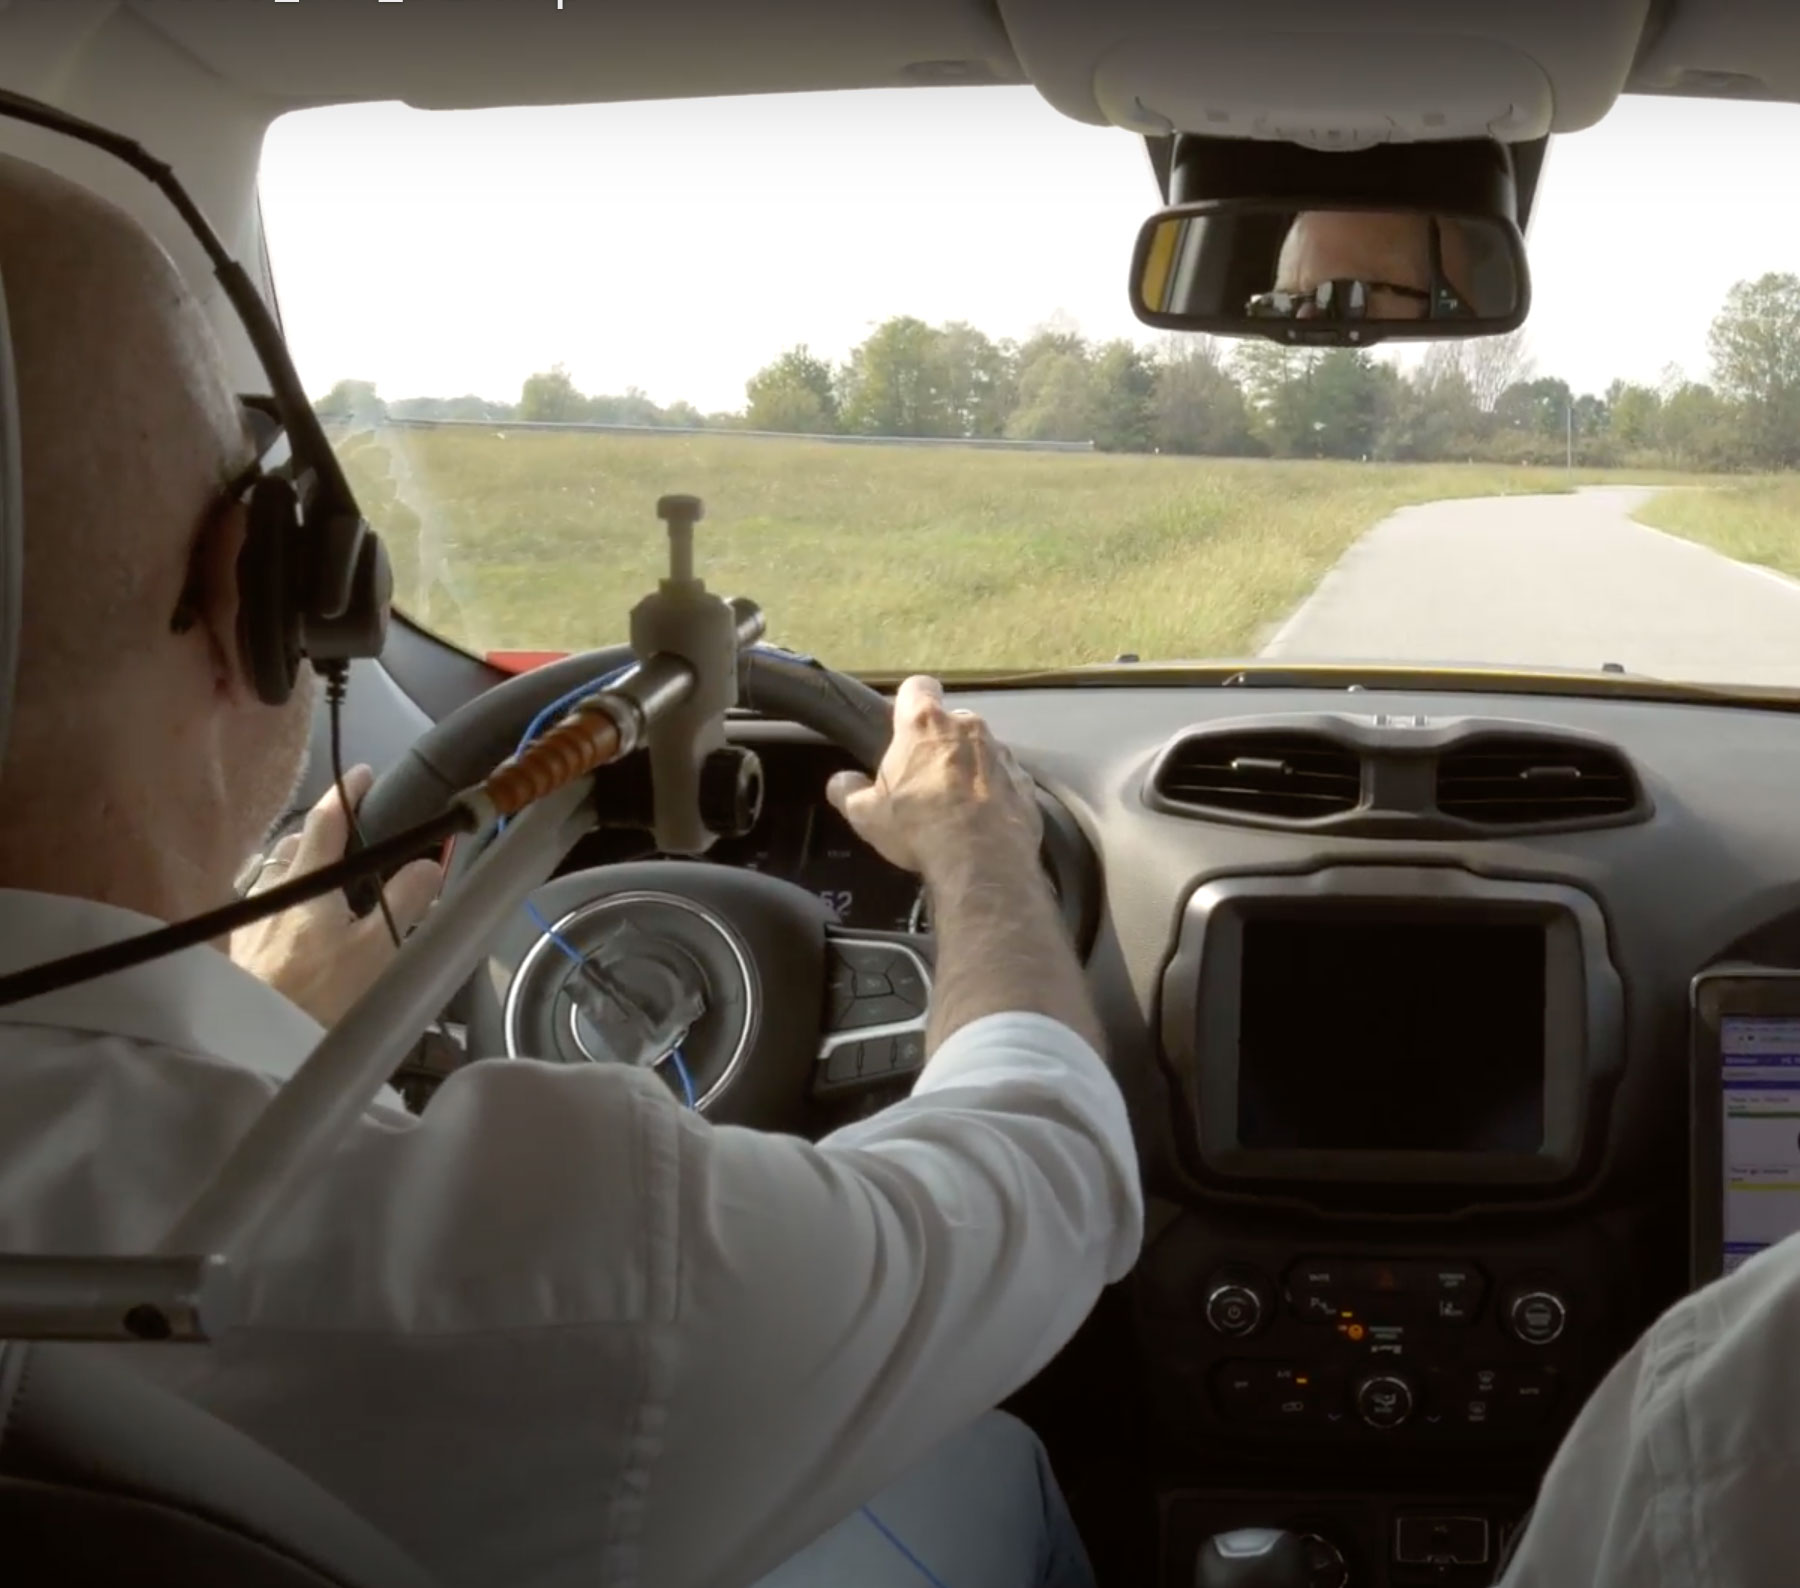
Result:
[1746,1057]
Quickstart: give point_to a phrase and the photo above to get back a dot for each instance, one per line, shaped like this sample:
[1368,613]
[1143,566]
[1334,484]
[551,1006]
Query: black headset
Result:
[313,579]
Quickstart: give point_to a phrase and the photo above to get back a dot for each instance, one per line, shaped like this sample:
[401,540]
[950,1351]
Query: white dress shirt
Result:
[1683,1470]
[559,1329]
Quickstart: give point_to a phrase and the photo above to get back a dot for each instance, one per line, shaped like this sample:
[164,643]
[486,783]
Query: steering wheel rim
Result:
[793,1032]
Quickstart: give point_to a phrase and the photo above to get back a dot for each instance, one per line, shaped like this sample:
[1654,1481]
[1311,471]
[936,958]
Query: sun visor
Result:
[1326,74]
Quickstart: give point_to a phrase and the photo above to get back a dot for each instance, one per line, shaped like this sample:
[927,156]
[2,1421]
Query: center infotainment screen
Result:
[1368,1034]
[1760,1076]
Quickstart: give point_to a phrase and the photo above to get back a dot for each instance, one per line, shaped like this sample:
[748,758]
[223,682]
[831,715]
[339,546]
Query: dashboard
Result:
[1398,987]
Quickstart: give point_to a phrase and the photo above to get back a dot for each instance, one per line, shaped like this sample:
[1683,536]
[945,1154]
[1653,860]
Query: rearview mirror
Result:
[1342,275]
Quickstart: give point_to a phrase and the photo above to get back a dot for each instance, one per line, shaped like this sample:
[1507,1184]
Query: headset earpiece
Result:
[271,577]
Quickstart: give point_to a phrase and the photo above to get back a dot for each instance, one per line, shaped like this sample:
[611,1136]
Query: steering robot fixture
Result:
[522,817]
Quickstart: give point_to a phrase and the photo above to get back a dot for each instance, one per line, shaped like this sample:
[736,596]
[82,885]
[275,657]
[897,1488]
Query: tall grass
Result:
[1754,520]
[878,558]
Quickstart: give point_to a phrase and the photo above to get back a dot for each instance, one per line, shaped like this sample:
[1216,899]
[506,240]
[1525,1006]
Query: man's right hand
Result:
[946,791]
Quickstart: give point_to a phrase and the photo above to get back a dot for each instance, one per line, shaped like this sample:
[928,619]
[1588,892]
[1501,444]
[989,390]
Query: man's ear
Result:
[214,580]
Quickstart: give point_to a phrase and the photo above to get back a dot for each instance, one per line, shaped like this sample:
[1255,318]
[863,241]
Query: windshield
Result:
[886,336]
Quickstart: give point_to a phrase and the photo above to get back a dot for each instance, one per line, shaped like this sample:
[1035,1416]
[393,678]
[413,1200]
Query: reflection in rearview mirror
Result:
[1329,276]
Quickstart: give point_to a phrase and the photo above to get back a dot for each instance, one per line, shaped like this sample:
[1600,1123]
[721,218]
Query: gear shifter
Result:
[1253,1557]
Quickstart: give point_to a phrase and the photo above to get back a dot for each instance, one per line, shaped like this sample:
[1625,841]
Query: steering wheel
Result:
[769,1007]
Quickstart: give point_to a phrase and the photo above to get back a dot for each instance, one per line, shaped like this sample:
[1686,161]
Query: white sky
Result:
[679,246]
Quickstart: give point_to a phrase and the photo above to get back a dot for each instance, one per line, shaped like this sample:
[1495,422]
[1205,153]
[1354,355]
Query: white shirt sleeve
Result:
[847,1305]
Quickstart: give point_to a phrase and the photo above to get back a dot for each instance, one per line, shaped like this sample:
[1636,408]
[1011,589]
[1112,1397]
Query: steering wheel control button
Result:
[1233,1308]
[1442,1541]
[908,983]
[877,1058]
[909,1052]
[842,1063]
[1384,1400]
[874,984]
[1537,1317]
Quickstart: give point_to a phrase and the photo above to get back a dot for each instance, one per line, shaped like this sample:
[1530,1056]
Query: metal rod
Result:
[178,1299]
[315,1109]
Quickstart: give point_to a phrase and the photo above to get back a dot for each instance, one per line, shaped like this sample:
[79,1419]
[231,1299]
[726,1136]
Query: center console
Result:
[1369,1324]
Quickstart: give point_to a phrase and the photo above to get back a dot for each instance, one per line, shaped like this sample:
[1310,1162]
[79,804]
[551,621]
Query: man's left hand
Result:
[319,954]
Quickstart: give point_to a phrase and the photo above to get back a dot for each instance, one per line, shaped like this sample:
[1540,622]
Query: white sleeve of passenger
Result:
[1598,1519]
[847,1305]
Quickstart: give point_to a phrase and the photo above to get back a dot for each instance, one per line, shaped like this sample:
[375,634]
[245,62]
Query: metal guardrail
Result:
[579,426]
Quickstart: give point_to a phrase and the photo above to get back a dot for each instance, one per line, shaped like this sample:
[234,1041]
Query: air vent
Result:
[1284,775]
[1526,782]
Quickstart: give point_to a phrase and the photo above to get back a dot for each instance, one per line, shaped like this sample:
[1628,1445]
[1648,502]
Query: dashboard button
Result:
[1311,1307]
[1455,1309]
[1528,1394]
[1538,1317]
[1233,1310]
[1384,1400]
[1240,1387]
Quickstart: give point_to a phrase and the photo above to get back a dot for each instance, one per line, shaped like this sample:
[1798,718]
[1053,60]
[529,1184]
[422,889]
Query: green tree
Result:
[1535,407]
[352,400]
[1755,348]
[978,379]
[1196,406]
[894,383]
[795,393]
[1634,415]
[1056,400]
[550,397]
[1122,382]
[1430,416]
[1699,429]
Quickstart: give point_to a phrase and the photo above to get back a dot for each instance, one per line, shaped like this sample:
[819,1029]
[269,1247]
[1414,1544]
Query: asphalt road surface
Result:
[1553,581]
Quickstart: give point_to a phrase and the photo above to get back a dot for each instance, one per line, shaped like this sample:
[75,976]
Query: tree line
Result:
[1477,400]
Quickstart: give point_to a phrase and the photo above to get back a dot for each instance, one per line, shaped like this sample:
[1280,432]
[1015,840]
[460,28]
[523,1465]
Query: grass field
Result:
[879,558]
[1754,520]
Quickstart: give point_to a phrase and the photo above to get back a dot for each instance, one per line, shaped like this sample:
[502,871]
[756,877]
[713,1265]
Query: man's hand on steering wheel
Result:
[946,783]
[319,954]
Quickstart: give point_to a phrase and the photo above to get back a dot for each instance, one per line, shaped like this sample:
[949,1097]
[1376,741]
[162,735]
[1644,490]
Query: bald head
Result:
[1373,246]
[129,429]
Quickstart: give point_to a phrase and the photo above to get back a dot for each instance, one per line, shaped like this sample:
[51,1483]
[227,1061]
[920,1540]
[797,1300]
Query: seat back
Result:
[105,1478]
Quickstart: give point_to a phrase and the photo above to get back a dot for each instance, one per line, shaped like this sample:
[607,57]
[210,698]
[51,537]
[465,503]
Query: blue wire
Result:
[674,1057]
[550,712]
[893,1538]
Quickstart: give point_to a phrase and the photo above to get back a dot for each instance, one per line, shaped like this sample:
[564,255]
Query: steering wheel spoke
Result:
[877,995]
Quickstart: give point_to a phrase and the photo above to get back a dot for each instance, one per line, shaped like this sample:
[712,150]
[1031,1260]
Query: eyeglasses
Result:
[1341,299]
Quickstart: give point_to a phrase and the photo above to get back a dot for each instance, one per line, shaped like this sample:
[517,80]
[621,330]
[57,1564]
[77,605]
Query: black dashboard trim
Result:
[1399,752]
[1583,1020]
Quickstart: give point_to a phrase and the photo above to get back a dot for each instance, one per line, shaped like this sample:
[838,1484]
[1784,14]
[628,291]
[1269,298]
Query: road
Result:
[1559,581]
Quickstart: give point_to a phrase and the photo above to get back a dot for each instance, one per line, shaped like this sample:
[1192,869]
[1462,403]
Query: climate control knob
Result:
[1536,1315]
[1234,1307]
[1384,1400]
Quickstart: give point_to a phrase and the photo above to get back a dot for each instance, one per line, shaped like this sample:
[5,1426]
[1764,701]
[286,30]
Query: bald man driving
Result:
[557,1329]
[1371,265]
